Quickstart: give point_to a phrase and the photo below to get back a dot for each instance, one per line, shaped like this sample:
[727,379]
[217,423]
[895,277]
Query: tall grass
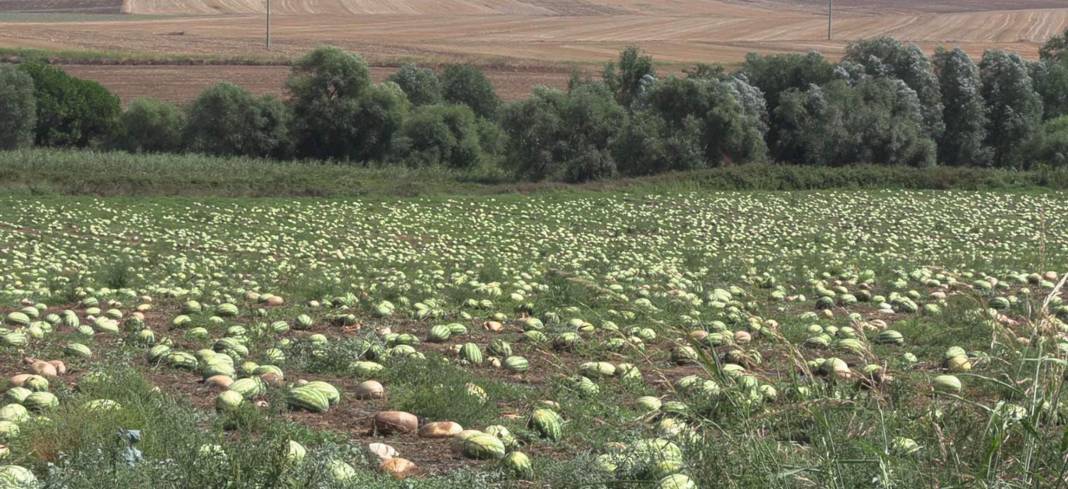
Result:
[45,171]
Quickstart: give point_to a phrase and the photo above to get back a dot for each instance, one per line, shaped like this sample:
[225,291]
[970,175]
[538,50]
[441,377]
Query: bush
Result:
[885,57]
[554,135]
[71,112]
[18,109]
[440,134]
[777,73]
[1050,145]
[728,115]
[227,120]
[150,126]
[420,84]
[467,85]
[337,113]
[629,78]
[647,146]
[879,120]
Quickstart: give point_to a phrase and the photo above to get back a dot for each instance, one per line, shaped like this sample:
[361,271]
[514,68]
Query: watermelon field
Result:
[555,339]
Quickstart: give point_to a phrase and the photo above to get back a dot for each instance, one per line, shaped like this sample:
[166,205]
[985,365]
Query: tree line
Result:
[885,102]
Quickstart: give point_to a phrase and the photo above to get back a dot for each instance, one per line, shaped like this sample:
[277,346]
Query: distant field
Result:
[521,43]
[537,31]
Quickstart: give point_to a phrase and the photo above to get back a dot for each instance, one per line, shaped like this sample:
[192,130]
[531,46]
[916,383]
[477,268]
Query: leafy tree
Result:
[420,84]
[467,85]
[963,142]
[440,134]
[1055,50]
[629,78]
[877,120]
[729,114]
[1014,107]
[561,135]
[776,73]
[150,126]
[18,109]
[1050,144]
[1051,82]
[887,57]
[227,120]
[646,146]
[71,112]
[337,113]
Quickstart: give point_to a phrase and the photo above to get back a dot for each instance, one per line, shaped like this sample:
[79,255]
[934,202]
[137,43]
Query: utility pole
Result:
[268,25]
[830,8]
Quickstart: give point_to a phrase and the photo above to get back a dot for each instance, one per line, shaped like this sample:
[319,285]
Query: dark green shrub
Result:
[227,120]
[440,134]
[878,120]
[71,112]
[647,146]
[150,126]
[556,135]
[467,85]
[18,109]
[729,115]
[1050,145]
[420,84]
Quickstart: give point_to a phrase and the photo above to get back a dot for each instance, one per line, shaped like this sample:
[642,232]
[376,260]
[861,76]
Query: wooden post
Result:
[830,8]
[268,25]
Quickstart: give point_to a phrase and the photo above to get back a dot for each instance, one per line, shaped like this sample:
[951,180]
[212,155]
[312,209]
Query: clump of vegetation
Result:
[884,103]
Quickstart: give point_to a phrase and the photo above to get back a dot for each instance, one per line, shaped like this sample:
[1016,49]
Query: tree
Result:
[887,57]
[1050,145]
[777,73]
[440,134]
[628,79]
[964,113]
[1051,82]
[467,85]
[646,146]
[337,113]
[71,112]
[561,135]
[729,115]
[150,126]
[226,120]
[1014,107]
[420,84]
[18,109]
[877,120]
[1055,50]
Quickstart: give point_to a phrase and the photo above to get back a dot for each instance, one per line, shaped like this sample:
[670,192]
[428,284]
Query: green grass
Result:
[44,172]
[62,17]
[91,56]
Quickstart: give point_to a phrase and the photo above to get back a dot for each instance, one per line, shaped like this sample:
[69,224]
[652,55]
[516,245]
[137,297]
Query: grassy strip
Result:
[42,172]
[94,57]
